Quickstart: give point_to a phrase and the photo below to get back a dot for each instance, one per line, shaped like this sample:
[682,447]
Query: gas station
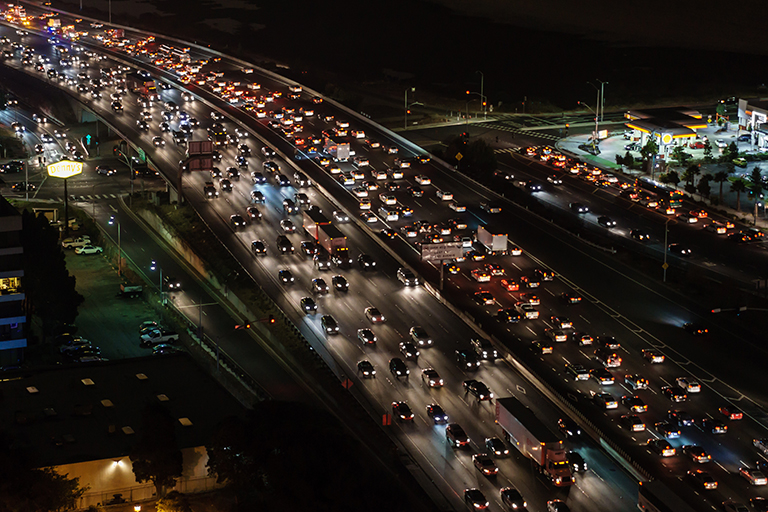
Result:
[753,118]
[669,127]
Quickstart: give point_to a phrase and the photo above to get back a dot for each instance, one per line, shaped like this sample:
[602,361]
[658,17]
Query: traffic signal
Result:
[467,92]
[242,326]
[271,319]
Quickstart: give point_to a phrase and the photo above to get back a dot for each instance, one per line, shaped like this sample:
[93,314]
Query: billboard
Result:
[65,169]
[441,251]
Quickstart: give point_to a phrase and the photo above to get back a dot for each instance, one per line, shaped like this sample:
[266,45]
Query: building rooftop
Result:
[678,121]
[93,411]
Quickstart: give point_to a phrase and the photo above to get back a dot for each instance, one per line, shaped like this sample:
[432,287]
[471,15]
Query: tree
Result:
[756,186]
[50,289]
[156,457]
[672,178]
[708,152]
[720,177]
[174,502]
[679,154]
[648,151]
[733,150]
[24,489]
[738,186]
[703,187]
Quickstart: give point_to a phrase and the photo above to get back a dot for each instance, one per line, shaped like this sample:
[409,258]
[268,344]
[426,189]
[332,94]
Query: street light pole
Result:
[594,137]
[602,99]
[119,252]
[666,233]
[482,85]
[405,107]
[110,12]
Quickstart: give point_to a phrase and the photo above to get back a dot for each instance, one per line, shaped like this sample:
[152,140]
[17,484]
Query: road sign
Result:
[142,155]
[441,251]
[346,383]
[459,156]
[386,419]
[665,266]
[88,140]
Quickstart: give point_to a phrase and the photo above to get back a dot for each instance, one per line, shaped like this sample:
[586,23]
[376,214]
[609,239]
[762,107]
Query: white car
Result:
[444,195]
[89,249]
[457,207]
[365,204]
[388,199]
[423,180]
[369,217]
[689,385]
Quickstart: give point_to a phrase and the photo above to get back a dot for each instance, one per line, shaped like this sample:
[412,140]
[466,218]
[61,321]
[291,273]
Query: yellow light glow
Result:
[65,169]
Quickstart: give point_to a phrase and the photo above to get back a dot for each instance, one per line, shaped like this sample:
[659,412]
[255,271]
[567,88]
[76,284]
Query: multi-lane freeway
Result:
[615,300]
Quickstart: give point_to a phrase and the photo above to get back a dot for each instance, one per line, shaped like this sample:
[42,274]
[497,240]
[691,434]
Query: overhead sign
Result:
[65,169]
[441,251]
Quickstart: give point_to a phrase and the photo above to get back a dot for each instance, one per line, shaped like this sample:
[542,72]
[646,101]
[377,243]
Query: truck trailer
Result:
[327,236]
[533,439]
[141,85]
[494,244]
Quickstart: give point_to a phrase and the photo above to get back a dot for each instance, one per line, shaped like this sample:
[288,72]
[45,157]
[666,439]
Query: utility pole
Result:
[405,107]
[482,95]
[602,99]
[666,233]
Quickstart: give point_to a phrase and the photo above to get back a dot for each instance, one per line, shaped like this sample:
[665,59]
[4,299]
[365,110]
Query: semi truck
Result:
[327,236]
[339,151]
[141,85]
[131,291]
[495,244]
[534,440]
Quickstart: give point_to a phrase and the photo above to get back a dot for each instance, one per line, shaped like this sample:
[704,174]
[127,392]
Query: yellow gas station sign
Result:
[65,169]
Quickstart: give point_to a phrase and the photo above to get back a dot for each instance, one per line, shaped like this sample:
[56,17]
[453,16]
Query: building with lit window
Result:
[13,339]
[669,127]
[83,419]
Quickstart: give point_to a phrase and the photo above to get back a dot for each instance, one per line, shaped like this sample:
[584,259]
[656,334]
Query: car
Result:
[484,348]
[570,298]
[477,389]
[665,429]
[680,250]
[366,336]
[237,221]
[556,335]
[731,412]
[259,247]
[674,394]
[319,285]
[437,414]
[402,411]
[456,436]
[579,208]
[576,461]
[489,207]
[635,381]
[366,262]
[753,476]
[397,368]
[407,277]
[713,426]
[106,170]
[703,479]
[467,359]
[420,336]
[661,446]
[340,283]
[253,213]
[577,371]
[484,298]
[89,249]
[541,347]
[284,244]
[409,350]
[696,453]
[759,503]
[287,226]
[329,324]
[485,464]
[308,305]
[561,322]
[633,422]
[285,276]
[366,369]
[568,427]
[761,445]
[557,506]
[431,378]
[695,329]
[606,221]
[602,376]
[653,355]
[638,235]
[733,506]
[605,400]
[308,248]
[374,315]
[475,499]
[554,179]
[688,384]
[527,310]
[508,315]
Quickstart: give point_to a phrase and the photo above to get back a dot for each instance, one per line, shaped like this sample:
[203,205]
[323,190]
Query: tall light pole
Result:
[594,137]
[110,12]
[602,99]
[482,85]
[405,107]
[154,266]
[666,233]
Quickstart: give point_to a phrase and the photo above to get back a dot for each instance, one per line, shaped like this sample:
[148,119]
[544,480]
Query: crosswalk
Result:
[94,197]
[521,131]
[506,150]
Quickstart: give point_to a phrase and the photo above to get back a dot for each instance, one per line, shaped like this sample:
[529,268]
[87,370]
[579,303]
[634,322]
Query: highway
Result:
[406,307]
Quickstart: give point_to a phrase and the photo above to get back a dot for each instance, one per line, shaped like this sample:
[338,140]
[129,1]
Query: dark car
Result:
[285,276]
[478,390]
[329,324]
[475,499]
[638,235]
[680,250]
[284,245]
[695,329]
[456,435]
[713,426]
[467,359]
[398,368]
[237,221]
[576,461]
[606,221]
[402,411]
[579,208]
[568,427]
[437,414]
[365,368]
[496,446]
[340,283]
[512,498]
[366,262]
[308,305]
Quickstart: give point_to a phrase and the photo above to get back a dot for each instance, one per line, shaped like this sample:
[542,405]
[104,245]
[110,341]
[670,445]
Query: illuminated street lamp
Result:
[137,508]
[594,135]
[65,169]
[153,266]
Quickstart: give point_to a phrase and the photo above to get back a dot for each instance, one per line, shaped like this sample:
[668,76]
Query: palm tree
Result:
[720,177]
[738,186]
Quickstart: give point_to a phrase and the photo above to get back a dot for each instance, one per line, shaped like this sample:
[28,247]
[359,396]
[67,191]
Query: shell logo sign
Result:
[666,138]
[65,169]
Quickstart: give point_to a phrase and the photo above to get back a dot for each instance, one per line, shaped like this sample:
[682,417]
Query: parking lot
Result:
[108,320]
